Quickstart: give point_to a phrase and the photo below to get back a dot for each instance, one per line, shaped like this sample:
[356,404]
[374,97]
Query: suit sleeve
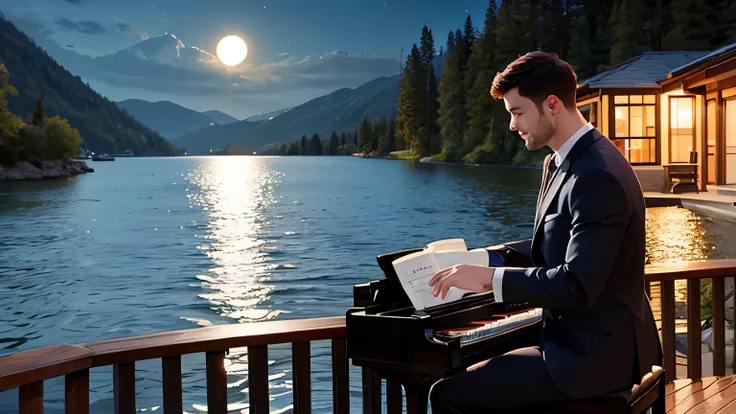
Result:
[600,212]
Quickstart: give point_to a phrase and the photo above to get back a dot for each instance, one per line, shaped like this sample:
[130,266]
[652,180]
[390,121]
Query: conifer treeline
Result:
[379,136]
[457,119]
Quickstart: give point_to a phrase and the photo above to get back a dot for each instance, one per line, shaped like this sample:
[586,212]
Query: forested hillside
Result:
[464,122]
[102,125]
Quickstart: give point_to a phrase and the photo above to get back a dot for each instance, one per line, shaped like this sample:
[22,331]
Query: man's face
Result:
[535,128]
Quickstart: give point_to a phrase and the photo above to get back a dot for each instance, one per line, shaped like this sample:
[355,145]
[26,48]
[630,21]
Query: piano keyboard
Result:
[501,323]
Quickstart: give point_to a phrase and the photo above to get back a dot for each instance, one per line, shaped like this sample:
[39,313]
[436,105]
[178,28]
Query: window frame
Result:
[612,105]
[669,127]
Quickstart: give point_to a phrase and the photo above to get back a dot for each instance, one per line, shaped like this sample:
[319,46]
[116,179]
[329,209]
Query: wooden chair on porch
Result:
[685,175]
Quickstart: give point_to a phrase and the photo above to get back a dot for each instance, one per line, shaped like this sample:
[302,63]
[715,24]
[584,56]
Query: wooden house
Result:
[672,114]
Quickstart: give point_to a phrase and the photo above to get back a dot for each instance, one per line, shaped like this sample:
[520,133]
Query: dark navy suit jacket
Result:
[587,273]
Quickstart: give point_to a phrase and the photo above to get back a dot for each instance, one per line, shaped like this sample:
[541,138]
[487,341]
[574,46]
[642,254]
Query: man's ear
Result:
[554,104]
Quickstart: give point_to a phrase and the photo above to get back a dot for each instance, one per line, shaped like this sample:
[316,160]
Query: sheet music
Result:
[414,272]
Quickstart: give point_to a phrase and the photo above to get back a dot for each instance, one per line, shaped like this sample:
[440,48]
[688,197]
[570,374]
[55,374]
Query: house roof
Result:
[643,70]
[725,50]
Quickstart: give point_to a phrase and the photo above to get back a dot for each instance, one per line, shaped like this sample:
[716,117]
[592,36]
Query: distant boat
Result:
[103,157]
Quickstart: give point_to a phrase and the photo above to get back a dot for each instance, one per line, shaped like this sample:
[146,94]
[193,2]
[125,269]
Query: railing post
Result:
[172,384]
[258,379]
[76,390]
[340,377]
[718,326]
[667,289]
[124,387]
[216,383]
[694,332]
[733,295]
[301,366]
[30,398]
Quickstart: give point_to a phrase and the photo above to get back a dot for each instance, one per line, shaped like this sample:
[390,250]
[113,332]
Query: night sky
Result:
[276,32]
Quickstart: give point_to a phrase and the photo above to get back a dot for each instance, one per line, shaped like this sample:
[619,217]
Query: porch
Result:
[27,371]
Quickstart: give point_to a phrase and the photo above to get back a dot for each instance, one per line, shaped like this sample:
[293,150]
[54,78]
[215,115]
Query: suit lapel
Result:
[559,179]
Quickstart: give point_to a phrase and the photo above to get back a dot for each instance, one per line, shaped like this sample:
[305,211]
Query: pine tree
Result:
[480,103]
[530,18]
[580,52]
[450,43]
[427,53]
[509,47]
[294,148]
[365,136]
[412,100]
[433,106]
[690,28]
[469,37]
[334,143]
[508,34]
[554,28]
[602,38]
[38,114]
[628,39]
[303,146]
[731,33]
[391,136]
[316,145]
[427,50]
[452,101]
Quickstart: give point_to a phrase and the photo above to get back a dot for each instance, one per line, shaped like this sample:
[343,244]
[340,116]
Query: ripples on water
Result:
[151,245]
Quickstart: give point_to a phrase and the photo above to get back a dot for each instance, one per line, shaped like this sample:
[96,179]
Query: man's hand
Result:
[464,276]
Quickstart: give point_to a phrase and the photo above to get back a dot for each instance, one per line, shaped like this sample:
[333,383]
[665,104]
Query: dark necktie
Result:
[551,168]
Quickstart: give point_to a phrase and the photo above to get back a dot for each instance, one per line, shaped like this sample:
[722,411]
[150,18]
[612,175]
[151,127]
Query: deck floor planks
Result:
[707,396]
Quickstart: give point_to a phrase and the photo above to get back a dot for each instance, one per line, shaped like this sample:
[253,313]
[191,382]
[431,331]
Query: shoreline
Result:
[26,171]
[426,160]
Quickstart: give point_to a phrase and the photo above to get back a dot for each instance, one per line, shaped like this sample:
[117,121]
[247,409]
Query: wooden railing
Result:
[28,370]
[694,273]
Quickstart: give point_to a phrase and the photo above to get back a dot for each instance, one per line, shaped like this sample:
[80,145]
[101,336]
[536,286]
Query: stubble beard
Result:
[542,138]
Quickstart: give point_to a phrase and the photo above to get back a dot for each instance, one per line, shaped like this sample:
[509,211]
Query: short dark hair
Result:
[538,75]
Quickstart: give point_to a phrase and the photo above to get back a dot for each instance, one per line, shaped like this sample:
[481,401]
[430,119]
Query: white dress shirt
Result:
[559,157]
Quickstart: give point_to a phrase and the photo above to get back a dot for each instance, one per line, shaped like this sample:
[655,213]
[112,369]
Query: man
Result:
[588,250]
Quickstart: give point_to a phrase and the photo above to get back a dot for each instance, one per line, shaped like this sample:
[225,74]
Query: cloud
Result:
[123,27]
[85,26]
[189,70]
[283,54]
[77,2]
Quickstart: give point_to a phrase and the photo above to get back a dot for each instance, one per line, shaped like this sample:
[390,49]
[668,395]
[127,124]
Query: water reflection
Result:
[677,234]
[234,194]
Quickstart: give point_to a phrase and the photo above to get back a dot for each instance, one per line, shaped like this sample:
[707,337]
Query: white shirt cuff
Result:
[497,284]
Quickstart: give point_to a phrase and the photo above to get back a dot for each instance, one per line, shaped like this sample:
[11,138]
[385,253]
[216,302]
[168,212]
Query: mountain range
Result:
[204,132]
[103,126]
[339,111]
[172,120]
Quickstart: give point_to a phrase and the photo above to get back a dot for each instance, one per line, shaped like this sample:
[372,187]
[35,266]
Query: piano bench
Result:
[639,399]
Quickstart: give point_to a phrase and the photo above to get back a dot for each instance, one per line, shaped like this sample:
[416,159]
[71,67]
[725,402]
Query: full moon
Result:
[231,50]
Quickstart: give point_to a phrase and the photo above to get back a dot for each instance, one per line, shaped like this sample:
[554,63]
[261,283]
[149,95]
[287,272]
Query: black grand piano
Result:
[391,340]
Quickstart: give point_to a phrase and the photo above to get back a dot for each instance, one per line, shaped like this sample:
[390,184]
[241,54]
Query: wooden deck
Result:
[706,396]
[27,371]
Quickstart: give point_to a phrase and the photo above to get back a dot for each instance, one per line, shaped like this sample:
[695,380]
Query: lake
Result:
[145,245]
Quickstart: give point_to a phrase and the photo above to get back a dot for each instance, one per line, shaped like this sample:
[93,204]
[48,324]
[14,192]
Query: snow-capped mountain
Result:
[166,49]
